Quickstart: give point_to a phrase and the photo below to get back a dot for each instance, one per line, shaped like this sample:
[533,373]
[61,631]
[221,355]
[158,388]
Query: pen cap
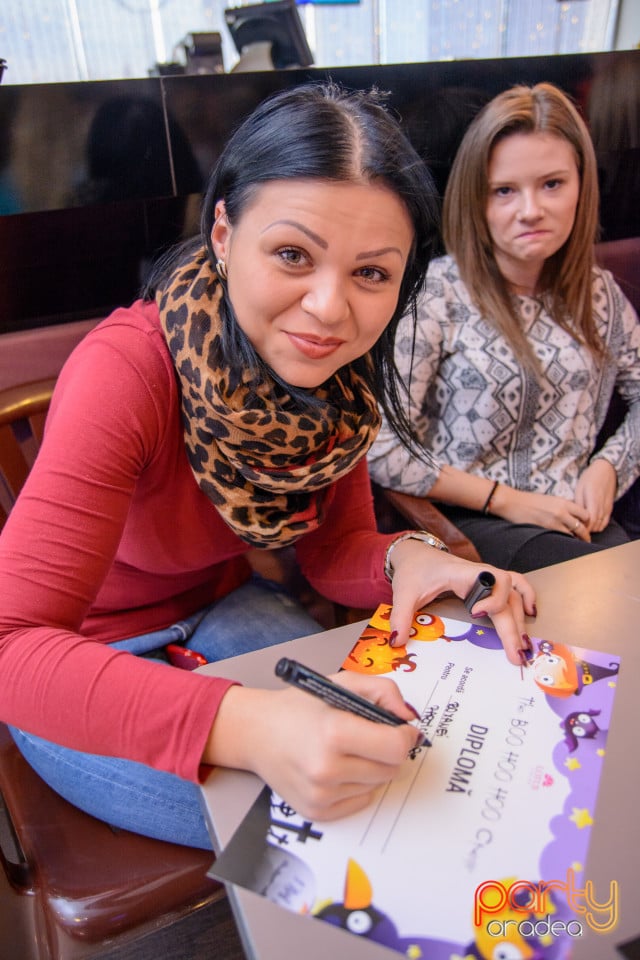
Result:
[485,581]
[285,668]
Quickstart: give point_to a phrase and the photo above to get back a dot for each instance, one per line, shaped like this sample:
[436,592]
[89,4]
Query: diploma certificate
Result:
[477,848]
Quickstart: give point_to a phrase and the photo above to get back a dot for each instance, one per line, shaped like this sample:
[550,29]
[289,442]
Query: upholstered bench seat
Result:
[92,886]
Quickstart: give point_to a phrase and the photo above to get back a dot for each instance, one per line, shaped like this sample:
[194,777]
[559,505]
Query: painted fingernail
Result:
[413,710]
[480,613]
[535,610]
[392,638]
[522,656]
[526,640]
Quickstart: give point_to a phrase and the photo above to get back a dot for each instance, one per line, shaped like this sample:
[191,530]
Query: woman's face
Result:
[534,186]
[314,272]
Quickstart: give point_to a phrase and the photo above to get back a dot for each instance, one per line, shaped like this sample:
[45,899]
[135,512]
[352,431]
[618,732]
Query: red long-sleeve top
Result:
[112,537]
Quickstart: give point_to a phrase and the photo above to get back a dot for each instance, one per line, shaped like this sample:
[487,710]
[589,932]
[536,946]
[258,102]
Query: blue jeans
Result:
[131,795]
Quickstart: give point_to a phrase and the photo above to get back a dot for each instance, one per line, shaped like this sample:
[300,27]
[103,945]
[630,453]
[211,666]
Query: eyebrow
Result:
[379,253]
[563,171]
[316,238]
[300,226]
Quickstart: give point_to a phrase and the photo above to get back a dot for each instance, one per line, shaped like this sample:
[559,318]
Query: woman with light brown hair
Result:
[520,343]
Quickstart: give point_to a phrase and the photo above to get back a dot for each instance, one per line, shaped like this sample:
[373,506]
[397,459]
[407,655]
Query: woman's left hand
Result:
[596,491]
[421,573]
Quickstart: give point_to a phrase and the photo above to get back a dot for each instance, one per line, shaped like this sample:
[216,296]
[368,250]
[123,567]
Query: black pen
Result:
[336,696]
[482,588]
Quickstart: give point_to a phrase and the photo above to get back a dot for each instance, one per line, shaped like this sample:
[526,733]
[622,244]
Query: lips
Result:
[315,348]
[533,234]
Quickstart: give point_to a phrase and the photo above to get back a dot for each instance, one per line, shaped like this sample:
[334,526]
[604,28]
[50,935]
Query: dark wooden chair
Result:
[78,887]
[400,511]
[23,410]
[622,258]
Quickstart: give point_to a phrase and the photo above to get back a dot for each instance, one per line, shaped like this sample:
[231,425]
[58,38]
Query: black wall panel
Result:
[96,178]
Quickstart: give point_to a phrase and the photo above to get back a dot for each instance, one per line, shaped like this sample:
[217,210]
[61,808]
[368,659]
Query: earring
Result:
[221,269]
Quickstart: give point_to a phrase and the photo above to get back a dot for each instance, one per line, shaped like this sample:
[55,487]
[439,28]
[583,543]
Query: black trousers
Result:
[524,546]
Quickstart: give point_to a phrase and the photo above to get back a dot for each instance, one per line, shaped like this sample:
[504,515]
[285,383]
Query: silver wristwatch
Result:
[422,535]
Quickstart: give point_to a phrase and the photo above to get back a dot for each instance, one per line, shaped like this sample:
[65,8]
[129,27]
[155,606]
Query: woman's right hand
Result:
[326,763]
[541,509]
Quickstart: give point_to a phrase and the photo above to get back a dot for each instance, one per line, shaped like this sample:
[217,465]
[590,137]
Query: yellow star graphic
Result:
[572,763]
[581,818]
[600,752]
[577,867]
[611,683]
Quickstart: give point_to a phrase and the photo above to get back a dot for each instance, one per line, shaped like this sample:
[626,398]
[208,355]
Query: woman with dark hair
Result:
[231,408]
[519,344]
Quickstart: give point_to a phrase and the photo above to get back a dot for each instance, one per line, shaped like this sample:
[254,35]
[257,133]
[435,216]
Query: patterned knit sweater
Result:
[475,408]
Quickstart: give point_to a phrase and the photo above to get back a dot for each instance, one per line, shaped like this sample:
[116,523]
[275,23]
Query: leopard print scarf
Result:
[266,465]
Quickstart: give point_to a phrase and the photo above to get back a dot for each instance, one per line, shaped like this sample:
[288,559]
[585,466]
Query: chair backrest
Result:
[39,352]
[23,410]
[622,258]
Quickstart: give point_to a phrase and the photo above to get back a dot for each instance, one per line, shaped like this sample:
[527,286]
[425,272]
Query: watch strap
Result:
[424,535]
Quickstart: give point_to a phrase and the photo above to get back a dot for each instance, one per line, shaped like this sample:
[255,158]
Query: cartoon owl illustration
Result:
[579,725]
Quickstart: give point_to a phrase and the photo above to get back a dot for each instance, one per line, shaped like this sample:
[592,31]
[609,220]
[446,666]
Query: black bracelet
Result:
[487,503]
